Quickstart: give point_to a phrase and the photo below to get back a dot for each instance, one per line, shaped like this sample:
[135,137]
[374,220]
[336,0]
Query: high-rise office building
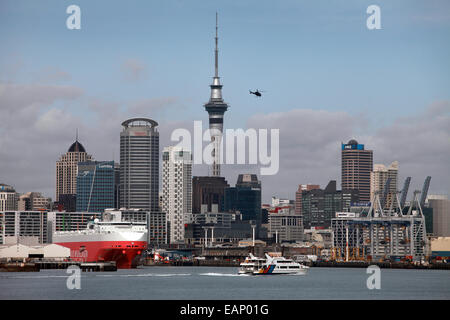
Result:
[139,164]
[298,195]
[245,197]
[8,198]
[95,186]
[66,175]
[320,206]
[208,191]
[357,163]
[378,179]
[177,190]
[216,108]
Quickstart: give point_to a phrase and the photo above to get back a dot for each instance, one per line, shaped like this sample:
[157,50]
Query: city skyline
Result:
[50,96]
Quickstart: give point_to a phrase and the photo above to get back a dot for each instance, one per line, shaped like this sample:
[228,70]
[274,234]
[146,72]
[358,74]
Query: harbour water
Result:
[211,283]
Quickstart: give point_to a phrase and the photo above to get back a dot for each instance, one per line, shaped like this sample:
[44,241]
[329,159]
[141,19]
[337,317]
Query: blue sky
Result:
[315,55]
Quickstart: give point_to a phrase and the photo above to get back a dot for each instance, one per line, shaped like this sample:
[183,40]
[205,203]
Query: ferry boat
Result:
[119,241]
[281,265]
[251,264]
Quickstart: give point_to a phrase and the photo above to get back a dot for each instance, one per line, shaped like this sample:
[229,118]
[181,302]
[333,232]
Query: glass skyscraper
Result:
[95,186]
[245,197]
[139,165]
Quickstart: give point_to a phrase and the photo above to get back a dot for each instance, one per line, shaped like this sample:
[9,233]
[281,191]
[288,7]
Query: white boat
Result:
[251,264]
[280,265]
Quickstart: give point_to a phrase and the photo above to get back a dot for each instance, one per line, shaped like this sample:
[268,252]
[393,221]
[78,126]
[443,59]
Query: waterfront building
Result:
[177,190]
[216,108]
[157,229]
[441,215]
[8,198]
[209,191]
[66,175]
[139,164]
[378,178]
[285,227]
[222,219]
[215,227]
[356,165]
[25,227]
[95,186]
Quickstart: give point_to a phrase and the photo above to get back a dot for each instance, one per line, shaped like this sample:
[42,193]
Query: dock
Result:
[46,265]
[381,265]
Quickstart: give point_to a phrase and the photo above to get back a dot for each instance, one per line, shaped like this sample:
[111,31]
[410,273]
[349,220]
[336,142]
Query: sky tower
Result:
[216,107]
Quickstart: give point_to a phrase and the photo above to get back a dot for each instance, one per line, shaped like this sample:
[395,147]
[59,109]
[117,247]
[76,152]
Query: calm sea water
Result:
[224,283]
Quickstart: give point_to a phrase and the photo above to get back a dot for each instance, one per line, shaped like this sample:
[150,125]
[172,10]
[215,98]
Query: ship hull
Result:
[124,253]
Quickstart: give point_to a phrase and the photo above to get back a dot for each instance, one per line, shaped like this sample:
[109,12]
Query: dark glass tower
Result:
[95,186]
[245,197]
[208,191]
[216,108]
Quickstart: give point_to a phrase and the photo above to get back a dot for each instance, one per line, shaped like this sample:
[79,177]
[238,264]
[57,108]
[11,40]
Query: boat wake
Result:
[37,277]
[145,275]
[214,274]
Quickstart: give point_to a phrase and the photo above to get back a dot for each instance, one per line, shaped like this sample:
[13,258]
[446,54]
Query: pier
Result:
[46,265]
[382,265]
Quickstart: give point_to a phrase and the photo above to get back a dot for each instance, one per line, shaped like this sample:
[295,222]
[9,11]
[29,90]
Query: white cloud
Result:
[35,132]
[310,142]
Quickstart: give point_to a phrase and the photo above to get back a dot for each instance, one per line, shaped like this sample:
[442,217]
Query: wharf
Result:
[318,264]
[45,265]
[382,265]
[194,263]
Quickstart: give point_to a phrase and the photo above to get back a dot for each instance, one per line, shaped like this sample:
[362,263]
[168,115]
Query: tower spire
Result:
[216,108]
[217,51]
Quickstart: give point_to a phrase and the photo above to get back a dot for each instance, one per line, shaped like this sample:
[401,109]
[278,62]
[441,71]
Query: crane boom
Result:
[426,186]
[405,191]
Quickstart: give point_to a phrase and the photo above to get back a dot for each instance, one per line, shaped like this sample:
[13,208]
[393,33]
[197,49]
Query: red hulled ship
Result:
[119,241]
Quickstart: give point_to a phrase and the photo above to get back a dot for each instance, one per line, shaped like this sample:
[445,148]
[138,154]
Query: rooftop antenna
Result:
[76,136]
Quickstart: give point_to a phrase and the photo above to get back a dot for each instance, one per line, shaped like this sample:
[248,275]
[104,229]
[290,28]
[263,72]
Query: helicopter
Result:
[256,93]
